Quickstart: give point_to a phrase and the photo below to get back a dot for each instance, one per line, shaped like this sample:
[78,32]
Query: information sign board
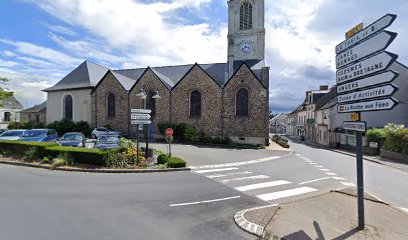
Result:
[381,78]
[382,91]
[140,110]
[355,126]
[375,105]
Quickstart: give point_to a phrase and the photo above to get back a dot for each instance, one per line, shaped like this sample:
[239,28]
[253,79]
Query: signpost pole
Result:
[360,178]
[137,145]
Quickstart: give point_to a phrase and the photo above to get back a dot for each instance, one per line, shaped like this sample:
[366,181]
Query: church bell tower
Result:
[246,31]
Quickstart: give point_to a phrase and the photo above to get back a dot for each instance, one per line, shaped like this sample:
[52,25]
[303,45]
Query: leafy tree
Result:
[3,93]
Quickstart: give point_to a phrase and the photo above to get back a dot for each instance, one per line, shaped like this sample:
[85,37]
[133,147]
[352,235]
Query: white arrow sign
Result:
[140,111]
[366,67]
[373,45]
[385,77]
[382,91]
[140,122]
[376,105]
[140,116]
[375,27]
[355,126]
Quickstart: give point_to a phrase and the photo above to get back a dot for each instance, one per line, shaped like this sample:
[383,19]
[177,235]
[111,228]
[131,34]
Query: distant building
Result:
[278,124]
[9,111]
[35,114]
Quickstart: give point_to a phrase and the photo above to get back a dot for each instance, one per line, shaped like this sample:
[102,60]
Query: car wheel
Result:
[93,136]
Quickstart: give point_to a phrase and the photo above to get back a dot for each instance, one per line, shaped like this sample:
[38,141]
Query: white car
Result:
[101,130]
[12,134]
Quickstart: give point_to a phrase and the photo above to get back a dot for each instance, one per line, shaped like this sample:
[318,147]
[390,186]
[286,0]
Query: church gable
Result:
[197,100]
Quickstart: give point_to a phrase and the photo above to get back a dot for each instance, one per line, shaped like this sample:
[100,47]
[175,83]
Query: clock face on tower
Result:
[245,47]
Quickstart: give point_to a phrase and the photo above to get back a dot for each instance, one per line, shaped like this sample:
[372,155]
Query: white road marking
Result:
[206,201]
[405,209]
[339,178]
[286,193]
[316,180]
[237,164]
[401,172]
[330,173]
[261,185]
[245,178]
[216,170]
[324,170]
[348,184]
[228,174]
[318,166]
[313,163]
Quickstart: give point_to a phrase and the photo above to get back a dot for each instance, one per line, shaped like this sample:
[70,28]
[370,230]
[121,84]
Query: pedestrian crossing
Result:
[258,185]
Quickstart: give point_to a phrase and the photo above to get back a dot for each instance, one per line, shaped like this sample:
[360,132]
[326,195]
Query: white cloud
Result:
[61,30]
[7,63]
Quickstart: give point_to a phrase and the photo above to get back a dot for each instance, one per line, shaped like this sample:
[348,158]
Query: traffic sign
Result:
[139,116]
[375,105]
[366,67]
[385,77]
[140,122]
[169,132]
[355,117]
[382,91]
[372,29]
[355,126]
[373,45]
[140,111]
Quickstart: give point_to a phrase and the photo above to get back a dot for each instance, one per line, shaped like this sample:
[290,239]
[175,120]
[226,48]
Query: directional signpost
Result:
[363,84]
[140,117]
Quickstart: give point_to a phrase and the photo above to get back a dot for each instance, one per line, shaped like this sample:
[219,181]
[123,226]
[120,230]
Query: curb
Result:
[96,170]
[244,163]
[248,226]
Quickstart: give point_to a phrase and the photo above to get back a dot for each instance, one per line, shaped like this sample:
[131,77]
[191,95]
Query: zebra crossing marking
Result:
[229,174]
[261,185]
[286,193]
[245,178]
[216,170]
[316,180]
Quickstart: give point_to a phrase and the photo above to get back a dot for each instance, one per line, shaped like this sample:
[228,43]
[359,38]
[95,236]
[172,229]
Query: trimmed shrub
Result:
[19,148]
[175,162]
[189,134]
[83,127]
[227,140]
[375,135]
[162,126]
[31,153]
[25,125]
[217,140]
[396,138]
[81,155]
[162,159]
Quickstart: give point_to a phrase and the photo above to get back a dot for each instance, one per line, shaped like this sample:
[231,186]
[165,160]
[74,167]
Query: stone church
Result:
[220,99]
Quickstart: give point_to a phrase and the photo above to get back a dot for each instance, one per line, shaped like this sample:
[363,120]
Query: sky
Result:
[41,41]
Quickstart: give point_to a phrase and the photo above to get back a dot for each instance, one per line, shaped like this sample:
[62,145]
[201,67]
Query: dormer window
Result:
[245,16]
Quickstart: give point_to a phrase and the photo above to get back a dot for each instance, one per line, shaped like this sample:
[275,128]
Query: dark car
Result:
[107,141]
[73,139]
[39,135]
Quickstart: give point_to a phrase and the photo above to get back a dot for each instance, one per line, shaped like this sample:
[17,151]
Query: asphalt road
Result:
[42,204]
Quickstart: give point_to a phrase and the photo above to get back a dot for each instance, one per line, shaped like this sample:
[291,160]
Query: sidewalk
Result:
[330,215]
[376,159]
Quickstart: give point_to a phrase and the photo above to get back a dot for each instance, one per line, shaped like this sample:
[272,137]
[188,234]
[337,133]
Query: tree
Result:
[3,93]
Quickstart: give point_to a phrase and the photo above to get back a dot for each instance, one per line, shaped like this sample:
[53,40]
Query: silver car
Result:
[12,134]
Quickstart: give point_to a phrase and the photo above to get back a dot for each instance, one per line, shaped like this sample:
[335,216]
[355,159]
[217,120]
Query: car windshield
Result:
[35,133]
[72,136]
[12,133]
[108,139]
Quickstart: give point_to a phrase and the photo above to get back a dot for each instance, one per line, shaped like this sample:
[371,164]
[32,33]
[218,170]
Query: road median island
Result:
[331,215]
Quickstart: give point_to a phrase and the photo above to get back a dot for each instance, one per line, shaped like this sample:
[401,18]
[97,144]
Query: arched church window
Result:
[68,107]
[111,105]
[245,16]
[242,102]
[195,103]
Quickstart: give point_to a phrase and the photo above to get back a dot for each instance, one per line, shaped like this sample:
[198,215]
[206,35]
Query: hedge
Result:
[80,155]
[162,159]
[175,162]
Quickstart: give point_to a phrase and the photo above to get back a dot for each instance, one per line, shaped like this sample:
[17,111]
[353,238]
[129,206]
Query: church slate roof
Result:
[35,108]
[11,103]
[86,75]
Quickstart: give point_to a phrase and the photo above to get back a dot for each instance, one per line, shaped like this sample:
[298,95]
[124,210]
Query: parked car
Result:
[107,141]
[39,135]
[101,130]
[12,134]
[73,139]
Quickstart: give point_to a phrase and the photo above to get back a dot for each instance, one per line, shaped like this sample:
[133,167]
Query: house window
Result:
[195,103]
[68,107]
[111,106]
[245,16]
[7,116]
[242,102]
[37,118]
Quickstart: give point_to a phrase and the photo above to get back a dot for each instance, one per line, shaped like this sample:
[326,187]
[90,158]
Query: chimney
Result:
[324,87]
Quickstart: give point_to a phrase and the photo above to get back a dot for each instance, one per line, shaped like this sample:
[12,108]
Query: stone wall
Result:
[209,122]
[109,84]
[151,83]
[251,128]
